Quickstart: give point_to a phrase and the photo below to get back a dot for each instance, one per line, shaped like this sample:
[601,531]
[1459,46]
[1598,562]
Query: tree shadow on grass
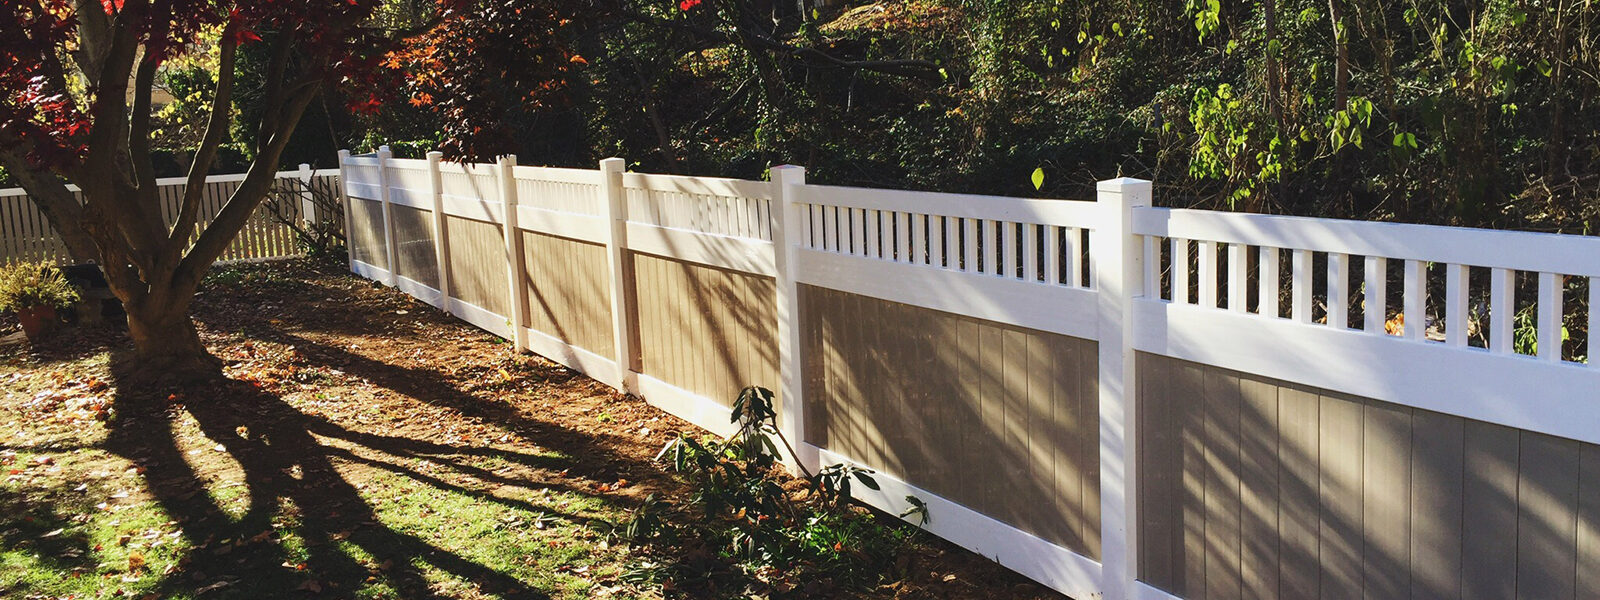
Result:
[286,470]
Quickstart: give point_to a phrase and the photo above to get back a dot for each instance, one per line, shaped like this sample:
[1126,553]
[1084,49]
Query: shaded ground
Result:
[366,446]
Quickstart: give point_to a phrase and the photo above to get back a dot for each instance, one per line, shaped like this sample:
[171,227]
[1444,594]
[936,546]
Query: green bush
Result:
[24,285]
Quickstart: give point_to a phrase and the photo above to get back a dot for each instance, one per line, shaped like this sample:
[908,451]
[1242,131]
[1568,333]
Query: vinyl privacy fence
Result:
[1115,400]
[26,236]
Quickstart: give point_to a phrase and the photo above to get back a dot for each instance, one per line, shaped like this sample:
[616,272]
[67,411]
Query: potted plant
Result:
[35,291]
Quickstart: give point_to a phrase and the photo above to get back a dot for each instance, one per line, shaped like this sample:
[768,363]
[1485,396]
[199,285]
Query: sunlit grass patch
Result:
[542,538]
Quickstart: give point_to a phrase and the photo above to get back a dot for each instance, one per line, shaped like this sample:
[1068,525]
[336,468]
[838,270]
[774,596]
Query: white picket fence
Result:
[1115,271]
[26,236]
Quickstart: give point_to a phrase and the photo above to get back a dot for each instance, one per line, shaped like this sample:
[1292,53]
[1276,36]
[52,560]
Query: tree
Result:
[75,91]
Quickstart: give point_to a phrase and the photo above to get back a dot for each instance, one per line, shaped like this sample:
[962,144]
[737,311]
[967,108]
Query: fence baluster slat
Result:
[1052,255]
[1416,300]
[1030,252]
[969,245]
[1550,313]
[1152,267]
[902,236]
[1301,296]
[1270,281]
[1375,297]
[1208,273]
[1238,277]
[1008,247]
[919,239]
[1502,310]
[1455,310]
[1180,270]
[1338,290]
[1594,322]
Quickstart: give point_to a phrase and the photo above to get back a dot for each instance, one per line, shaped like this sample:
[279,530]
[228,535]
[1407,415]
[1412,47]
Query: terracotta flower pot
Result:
[37,320]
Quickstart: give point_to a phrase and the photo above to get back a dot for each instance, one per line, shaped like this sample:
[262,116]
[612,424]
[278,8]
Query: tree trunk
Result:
[165,342]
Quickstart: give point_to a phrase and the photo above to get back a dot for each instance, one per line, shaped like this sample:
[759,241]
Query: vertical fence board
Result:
[1437,467]
[1547,493]
[1386,500]
[1221,435]
[1298,488]
[1339,541]
[1489,512]
[1588,543]
[1258,485]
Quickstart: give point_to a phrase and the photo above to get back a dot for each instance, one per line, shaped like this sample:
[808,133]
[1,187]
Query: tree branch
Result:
[244,200]
[273,99]
[49,192]
[216,127]
[139,128]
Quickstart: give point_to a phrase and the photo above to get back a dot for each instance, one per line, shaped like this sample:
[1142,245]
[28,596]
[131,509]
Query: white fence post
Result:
[786,222]
[344,199]
[1118,268]
[518,289]
[441,240]
[308,204]
[393,275]
[623,315]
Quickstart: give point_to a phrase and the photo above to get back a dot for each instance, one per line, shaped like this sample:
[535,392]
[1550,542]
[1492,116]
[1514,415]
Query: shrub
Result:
[24,285]
[811,529]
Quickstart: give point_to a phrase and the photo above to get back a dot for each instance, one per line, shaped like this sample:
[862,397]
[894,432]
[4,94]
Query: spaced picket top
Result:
[1556,393]
[1229,290]
[25,234]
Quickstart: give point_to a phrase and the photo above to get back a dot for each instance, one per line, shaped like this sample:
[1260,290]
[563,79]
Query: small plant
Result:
[30,285]
[321,238]
[755,519]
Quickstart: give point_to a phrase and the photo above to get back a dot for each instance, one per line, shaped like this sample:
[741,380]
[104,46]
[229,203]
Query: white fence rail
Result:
[1301,303]
[26,236]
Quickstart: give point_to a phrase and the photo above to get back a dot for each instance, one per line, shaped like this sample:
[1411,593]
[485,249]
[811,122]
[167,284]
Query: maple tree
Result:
[485,63]
[76,78]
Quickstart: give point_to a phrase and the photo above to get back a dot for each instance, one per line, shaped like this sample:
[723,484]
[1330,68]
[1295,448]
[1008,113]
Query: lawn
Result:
[366,446]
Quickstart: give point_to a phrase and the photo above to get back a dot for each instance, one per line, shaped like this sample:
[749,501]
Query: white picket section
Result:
[26,235]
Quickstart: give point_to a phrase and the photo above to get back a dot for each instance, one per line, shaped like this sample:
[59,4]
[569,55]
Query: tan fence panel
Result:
[709,331]
[1259,488]
[413,238]
[366,233]
[478,264]
[569,294]
[998,418]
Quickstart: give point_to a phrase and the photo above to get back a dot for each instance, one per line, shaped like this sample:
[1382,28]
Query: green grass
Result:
[64,543]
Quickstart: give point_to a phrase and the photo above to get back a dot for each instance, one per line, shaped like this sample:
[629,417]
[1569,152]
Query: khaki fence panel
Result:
[705,330]
[413,238]
[477,263]
[568,295]
[1261,488]
[1000,419]
[1116,400]
[25,234]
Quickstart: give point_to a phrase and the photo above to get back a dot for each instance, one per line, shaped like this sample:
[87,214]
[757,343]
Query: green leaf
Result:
[1038,178]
